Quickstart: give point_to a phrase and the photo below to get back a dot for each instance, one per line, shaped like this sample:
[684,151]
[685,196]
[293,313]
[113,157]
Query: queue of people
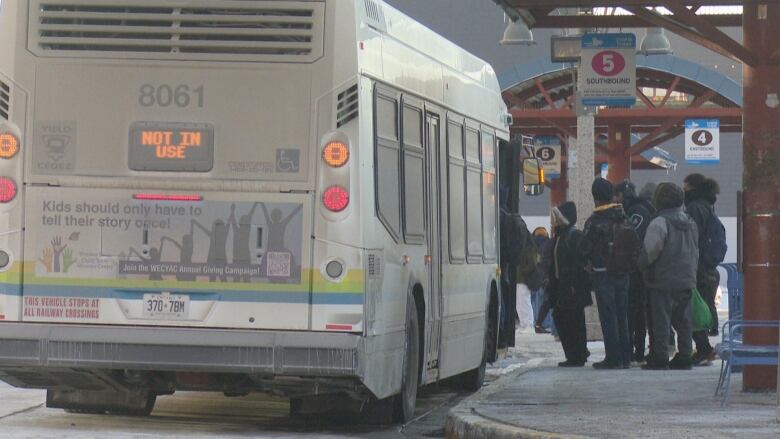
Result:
[643,253]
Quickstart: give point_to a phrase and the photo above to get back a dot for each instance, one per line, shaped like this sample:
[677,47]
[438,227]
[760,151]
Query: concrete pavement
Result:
[542,400]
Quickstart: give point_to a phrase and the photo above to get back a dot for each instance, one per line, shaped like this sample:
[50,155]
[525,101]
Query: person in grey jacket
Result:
[668,262]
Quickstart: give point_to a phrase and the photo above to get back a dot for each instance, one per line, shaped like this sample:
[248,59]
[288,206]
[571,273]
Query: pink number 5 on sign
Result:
[608,63]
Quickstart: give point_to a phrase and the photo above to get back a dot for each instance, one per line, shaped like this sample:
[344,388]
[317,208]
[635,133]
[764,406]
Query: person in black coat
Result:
[639,212]
[701,194]
[569,285]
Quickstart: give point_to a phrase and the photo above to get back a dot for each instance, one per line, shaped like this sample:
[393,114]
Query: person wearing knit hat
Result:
[611,287]
[668,262]
[668,196]
[569,287]
[602,190]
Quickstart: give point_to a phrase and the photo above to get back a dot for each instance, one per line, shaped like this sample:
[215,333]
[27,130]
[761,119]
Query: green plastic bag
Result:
[702,317]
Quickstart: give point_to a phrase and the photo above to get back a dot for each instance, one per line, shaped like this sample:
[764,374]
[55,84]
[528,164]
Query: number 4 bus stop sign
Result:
[608,70]
[702,141]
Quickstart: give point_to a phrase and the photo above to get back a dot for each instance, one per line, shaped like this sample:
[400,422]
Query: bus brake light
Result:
[335,198]
[335,154]
[165,197]
[7,190]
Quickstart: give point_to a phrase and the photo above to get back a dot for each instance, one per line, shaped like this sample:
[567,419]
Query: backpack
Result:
[528,258]
[623,251]
[713,247]
[520,250]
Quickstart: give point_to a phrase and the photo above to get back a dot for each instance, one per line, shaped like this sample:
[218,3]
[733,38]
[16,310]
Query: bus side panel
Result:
[337,302]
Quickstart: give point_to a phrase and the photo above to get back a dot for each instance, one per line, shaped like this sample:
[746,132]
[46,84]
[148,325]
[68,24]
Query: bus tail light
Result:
[335,154]
[9,145]
[335,198]
[7,190]
[167,197]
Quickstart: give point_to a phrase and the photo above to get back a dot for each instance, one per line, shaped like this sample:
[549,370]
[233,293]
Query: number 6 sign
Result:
[608,70]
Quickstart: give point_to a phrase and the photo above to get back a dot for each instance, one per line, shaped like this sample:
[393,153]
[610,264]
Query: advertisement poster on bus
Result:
[166,240]
[608,70]
[702,141]
[548,150]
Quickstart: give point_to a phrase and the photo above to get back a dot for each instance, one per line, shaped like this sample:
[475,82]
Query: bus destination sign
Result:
[171,146]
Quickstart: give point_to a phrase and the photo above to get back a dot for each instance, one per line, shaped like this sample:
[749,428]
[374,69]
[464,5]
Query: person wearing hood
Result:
[668,262]
[640,213]
[569,287]
[611,288]
[646,194]
[700,197]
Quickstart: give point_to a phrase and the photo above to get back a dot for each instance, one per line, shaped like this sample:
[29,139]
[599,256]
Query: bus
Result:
[289,196]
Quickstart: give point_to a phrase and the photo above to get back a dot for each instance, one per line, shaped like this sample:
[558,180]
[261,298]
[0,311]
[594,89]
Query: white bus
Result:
[292,196]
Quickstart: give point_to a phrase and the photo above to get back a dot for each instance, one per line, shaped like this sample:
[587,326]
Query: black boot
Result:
[680,363]
[654,364]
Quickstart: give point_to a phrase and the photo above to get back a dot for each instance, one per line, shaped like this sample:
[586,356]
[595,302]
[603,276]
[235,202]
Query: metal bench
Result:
[735,353]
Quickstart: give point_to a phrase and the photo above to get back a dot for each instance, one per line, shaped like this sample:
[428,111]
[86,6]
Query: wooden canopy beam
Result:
[712,32]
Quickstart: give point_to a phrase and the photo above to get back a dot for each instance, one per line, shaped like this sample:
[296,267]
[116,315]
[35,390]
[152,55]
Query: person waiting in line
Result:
[611,286]
[668,261]
[646,194]
[639,214]
[700,197]
[569,288]
[543,322]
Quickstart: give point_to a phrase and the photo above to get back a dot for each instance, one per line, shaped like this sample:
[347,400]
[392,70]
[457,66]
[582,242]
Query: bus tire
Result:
[145,410]
[406,400]
[113,402]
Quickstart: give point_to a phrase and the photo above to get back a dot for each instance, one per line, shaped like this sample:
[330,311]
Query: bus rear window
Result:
[165,146]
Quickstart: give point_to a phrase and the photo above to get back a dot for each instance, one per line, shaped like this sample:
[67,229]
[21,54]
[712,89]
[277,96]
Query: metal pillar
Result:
[619,156]
[761,154]
[580,182]
[581,173]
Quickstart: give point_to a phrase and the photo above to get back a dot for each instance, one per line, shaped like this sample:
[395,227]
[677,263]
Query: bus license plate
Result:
[166,306]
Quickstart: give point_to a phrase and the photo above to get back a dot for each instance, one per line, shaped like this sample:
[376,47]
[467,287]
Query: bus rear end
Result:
[159,195]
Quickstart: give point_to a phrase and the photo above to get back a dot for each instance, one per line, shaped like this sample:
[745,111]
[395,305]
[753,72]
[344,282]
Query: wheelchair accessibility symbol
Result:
[288,160]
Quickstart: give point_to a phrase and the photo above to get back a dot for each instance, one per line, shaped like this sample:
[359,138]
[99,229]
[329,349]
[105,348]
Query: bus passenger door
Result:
[434,255]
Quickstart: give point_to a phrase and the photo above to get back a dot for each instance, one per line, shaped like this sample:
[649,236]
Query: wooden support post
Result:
[619,154]
[761,179]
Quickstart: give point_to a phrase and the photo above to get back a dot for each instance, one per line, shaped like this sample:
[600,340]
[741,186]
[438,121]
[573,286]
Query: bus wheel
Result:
[405,401]
[144,409]
[127,402]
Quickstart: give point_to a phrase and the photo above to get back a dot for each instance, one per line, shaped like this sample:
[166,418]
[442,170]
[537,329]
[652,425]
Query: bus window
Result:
[455,189]
[489,195]
[413,183]
[388,164]
[473,198]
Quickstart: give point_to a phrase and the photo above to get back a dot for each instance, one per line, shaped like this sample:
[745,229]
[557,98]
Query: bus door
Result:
[434,233]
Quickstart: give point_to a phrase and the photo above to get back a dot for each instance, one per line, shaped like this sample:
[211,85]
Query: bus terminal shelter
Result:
[540,97]
[760,58]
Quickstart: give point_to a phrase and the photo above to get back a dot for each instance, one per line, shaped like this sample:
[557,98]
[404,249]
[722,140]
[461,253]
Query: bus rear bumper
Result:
[27,349]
